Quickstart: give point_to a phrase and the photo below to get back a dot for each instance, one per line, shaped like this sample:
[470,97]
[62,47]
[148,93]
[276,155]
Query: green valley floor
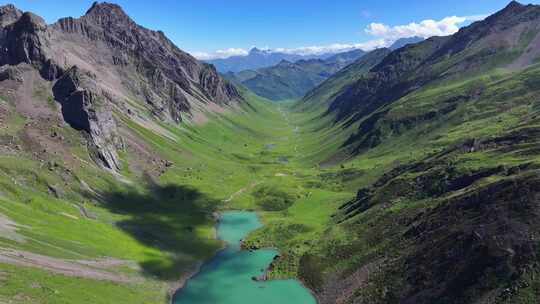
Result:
[77,234]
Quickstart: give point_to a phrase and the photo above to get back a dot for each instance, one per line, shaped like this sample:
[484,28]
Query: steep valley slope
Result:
[442,140]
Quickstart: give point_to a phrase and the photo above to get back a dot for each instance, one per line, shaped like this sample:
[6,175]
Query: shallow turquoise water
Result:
[226,279]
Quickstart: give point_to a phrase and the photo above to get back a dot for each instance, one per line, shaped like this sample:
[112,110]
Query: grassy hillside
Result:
[141,232]
[292,80]
[447,198]
[410,176]
[132,235]
[439,139]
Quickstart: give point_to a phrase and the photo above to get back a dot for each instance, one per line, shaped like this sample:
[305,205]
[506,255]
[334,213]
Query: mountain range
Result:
[291,80]
[257,58]
[408,174]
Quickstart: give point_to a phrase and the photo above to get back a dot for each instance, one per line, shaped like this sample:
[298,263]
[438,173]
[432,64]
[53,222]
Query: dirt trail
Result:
[295,131]
[82,269]
[237,193]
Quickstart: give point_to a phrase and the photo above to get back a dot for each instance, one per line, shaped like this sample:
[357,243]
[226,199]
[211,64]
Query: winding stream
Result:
[227,278]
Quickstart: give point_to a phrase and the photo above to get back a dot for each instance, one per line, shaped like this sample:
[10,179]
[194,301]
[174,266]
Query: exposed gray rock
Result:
[27,41]
[24,41]
[85,108]
[10,73]
[9,14]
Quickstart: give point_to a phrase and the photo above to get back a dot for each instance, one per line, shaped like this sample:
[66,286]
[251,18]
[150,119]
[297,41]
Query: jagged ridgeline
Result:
[102,63]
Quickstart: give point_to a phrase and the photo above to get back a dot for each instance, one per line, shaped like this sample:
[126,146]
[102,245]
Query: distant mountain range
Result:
[404,41]
[290,80]
[257,59]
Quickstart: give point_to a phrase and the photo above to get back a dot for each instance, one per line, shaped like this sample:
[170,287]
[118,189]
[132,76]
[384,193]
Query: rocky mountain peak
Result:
[285,63]
[510,12]
[30,22]
[22,41]
[9,14]
[514,5]
[254,51]
[105,13]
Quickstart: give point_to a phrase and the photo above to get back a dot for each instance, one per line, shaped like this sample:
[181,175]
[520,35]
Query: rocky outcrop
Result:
[85,108]
[10,73]
[22,41]
[9,14]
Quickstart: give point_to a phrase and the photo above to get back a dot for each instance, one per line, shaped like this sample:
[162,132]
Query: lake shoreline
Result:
[198,269]
[178,285]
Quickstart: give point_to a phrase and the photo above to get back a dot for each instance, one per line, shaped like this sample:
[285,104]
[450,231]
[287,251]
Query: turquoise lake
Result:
[227,278]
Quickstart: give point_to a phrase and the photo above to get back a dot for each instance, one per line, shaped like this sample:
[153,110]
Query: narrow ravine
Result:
[228,277]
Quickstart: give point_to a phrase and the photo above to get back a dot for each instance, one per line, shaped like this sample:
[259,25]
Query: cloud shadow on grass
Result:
[165,217]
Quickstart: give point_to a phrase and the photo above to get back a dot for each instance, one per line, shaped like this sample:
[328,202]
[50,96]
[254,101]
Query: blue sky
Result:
[233,26]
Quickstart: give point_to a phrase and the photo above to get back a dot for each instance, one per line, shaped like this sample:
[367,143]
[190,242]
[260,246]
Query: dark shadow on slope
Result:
[165,217]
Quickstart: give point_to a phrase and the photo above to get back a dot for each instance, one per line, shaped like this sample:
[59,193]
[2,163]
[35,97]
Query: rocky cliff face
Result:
[104,62]
[84,107]
[9,14]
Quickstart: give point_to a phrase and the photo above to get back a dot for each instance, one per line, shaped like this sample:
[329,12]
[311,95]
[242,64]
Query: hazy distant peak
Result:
[404,41]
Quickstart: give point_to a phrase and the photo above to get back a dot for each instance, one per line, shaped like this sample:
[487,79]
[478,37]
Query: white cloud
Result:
[220,54]
[384,35]
[304,51]
[427,28]
[331,48]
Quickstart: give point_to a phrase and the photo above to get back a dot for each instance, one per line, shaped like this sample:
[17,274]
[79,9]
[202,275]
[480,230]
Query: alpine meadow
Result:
[402,167]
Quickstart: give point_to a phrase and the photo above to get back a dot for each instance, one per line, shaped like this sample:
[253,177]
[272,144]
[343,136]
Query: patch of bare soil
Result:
[47,142]
[8,229]
[199,114]
[33,95]
[142,159]
[153,126]
[528,57]
[341,290]
[95,270]
[174,287]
